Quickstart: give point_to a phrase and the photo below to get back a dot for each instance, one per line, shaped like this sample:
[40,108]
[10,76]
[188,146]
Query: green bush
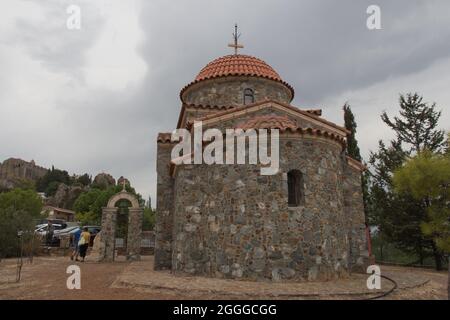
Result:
[19,209]
[89,204]
[148,222]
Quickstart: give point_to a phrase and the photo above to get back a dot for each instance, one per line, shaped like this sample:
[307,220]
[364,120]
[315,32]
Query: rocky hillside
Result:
[65,196]
[61,189]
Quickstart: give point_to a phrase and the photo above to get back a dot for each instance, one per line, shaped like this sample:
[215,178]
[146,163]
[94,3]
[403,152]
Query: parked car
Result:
[63,233]
[42,229]
[65,230]
[53,221]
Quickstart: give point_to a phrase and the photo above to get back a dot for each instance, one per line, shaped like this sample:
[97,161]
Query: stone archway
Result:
[123,195]
[109,220]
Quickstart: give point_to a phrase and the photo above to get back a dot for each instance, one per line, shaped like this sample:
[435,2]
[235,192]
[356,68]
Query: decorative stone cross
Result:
[124,183]
[236,36]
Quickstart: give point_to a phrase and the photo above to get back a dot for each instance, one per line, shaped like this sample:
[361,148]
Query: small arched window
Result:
[249,96]
[296,192]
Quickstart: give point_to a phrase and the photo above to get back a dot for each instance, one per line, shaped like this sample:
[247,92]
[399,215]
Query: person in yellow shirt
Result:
[83,244]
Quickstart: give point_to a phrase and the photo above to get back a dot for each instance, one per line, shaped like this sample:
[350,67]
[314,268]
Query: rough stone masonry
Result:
[228,221]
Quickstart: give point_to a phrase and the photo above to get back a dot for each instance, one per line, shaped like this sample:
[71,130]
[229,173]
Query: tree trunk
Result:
[421,256]
[437,258]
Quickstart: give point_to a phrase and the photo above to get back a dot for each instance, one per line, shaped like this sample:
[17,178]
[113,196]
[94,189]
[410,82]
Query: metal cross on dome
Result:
[236,36]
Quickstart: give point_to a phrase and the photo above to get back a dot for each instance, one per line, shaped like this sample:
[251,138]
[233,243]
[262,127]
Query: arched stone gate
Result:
[109,220]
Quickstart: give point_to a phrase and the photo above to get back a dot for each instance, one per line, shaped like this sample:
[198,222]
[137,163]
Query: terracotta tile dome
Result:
[237,64]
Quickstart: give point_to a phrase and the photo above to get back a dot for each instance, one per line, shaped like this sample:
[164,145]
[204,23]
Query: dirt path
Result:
[435,289]
[46,279]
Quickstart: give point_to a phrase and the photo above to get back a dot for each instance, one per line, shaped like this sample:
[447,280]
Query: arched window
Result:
[249,96]
[296,192]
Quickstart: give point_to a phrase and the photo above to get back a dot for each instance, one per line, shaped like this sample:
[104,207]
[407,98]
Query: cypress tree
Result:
[350,124]
[354,152]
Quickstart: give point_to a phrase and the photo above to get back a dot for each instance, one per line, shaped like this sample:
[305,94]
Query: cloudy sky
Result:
[93,100]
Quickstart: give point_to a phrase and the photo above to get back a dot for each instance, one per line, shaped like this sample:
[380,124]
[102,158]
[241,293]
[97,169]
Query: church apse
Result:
[228,220]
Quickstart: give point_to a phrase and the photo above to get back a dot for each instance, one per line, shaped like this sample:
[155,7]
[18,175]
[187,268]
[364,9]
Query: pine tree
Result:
[399,217]
[417,124]
[426,177]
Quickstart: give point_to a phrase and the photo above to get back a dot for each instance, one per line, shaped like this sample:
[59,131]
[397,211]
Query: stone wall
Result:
[134,233]
[164,209]
[12,170]
[192,114]
[231,222]
[354,207]
[106,246]
[230,91]
[109,220]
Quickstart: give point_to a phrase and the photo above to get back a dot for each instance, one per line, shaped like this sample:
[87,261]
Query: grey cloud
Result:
[49,41]
[322,48]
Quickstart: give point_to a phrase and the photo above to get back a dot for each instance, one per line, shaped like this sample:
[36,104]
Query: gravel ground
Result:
[46,278]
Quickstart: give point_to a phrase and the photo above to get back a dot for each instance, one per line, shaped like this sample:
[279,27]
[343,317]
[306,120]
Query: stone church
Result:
[304,223]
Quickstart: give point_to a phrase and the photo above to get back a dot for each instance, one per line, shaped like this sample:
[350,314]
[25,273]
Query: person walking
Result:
[83,243]
[75,248]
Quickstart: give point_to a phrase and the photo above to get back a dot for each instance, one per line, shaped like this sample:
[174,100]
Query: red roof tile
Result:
[200,106]
[312,115]
[294,130]
[317,112]
[286,125]
[268,122]
[356,164]
[237,65]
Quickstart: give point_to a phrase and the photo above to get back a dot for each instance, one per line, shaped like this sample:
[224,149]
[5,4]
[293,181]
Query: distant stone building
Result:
[18,168]
[59,213]
[305,222]
[13,170]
